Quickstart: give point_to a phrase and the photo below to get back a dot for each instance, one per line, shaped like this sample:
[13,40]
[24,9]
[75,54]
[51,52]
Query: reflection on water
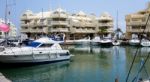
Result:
[41,73]
[90,64]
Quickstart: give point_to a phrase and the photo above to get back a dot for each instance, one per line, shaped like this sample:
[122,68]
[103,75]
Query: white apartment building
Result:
[74,26]
[13,30]
[136,22]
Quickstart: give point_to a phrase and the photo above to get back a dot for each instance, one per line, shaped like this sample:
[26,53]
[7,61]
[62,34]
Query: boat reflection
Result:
[142,51]
[40,73]
[91,49]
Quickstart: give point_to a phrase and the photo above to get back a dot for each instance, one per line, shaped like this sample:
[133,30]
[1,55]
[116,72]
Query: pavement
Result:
[3,78]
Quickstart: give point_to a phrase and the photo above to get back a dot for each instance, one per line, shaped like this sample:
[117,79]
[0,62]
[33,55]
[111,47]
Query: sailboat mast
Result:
[5,33]
[6,9]
[117,20]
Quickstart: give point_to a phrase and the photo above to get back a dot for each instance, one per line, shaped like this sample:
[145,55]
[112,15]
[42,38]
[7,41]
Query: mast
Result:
[117,27]
[42,23]
[6,9]
[6,19]
[117,20]
[6,33]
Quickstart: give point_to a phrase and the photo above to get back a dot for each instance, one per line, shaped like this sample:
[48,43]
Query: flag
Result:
[4,27]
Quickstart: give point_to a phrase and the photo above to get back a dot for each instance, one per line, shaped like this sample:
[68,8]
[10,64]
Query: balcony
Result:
[24,18]
[41,24]
[24,30]
[110,30]
[59,23]
[83,30]
[138,30]
[24,25]
[33,24]
[59,16]
[36,31]
[105,24]
[59,30]
[136,23]
[90,25]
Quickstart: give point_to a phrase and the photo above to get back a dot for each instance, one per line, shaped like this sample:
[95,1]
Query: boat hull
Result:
[134,42]
[82,43]
[116,43]
[106,44]
[38,58]
[145,44]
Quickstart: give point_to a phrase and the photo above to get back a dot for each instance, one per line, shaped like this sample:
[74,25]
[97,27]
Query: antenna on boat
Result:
[117,26]
[117,20]
[6,20]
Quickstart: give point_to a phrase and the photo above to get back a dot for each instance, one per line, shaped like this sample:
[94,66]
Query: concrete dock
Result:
[3,78]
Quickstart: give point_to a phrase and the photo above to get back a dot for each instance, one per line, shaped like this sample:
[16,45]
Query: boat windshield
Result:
[34,44]
[45,45]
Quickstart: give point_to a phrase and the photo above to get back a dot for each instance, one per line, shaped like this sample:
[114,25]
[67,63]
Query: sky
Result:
[124,7]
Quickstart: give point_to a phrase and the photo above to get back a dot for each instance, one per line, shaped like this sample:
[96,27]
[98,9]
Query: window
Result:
[40,27]
[34,28]
[42,20]
[24,15]
[49,21]
[65,54]
[25,27]
[46,45]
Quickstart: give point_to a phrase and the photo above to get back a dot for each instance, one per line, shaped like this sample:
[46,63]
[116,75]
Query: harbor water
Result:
[89,64]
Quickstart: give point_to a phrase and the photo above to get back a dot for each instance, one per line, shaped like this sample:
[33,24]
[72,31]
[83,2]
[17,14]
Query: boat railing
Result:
[33,50]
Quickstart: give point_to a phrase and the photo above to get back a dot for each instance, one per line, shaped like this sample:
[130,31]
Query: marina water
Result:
[90,64]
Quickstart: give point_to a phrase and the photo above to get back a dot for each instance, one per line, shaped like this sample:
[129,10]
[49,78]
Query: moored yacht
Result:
[84,41]
[38,51]
[145,42]
[116,42]
[95,40]
[106,41]
[134,41]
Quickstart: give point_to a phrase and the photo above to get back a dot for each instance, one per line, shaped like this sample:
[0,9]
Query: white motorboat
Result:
[39,51]
[146,81]
[106,42]
[84,41]
[134,41]
[116,43]
[145,43]
[95,40]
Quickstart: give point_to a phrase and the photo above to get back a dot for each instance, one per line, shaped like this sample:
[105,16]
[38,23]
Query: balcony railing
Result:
[59,23]
[24,18]
[138,30]
[25,30]
[59,16]
[59,30]
[83,30]
[105,24]
[136,23]
[36,30]
[24,25]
